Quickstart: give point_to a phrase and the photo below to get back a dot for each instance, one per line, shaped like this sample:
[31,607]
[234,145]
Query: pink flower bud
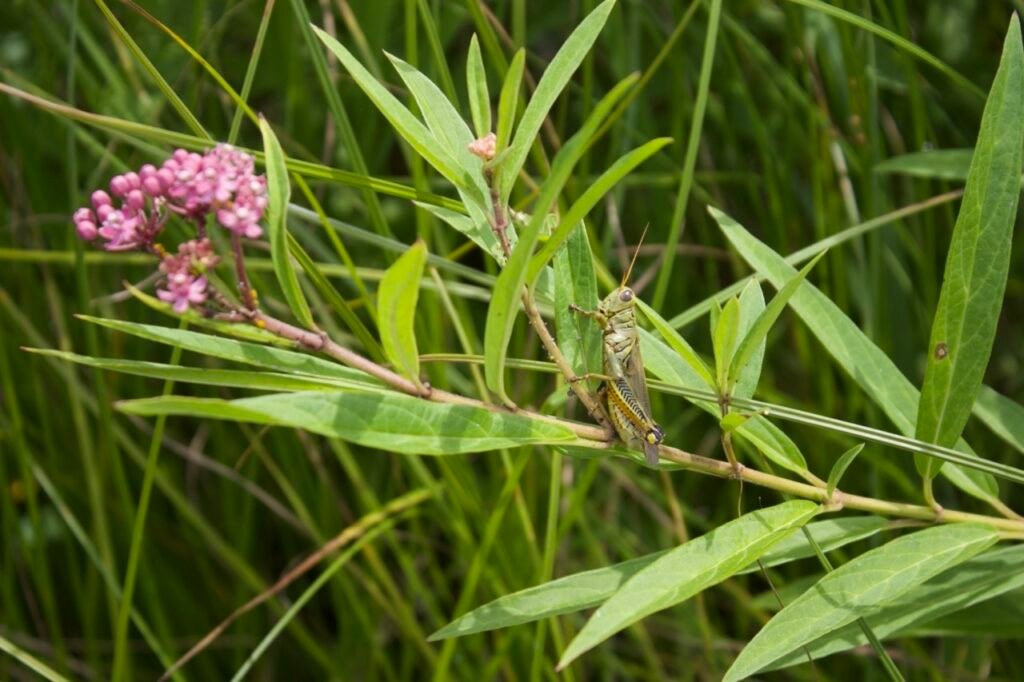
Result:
[82,215]
[104,211]
[135,199]
[151,186]
[86,230]
[133,180]
[485,147]
[119,186]
[100,198]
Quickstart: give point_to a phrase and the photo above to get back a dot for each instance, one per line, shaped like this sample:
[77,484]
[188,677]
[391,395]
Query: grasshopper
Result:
[624,390]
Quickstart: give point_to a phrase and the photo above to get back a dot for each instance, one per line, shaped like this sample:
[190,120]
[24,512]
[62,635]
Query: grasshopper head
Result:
[618,304]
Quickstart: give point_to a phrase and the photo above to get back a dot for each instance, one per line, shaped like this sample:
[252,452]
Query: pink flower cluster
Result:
[186,285]
[222,183]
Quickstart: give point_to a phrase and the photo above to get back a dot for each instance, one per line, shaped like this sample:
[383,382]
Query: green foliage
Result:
[399,291]
[978,264]
[854,144]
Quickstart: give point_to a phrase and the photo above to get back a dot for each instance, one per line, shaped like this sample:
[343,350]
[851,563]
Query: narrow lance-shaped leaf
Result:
[723,339]
[865,362]
[1004,416]
[984,577]
[508,100]
[407,125]
[590,198]
[938,164]
[680,345]
[279,192]
[447,126]
[589,588]
[840,467]
[689,569]
[978,263]
[759,331]
[386,421]
[509,287]
[476,86]
[578,336]
[396,308]
[859,588]
[674,369]
[751,308]
[550,86]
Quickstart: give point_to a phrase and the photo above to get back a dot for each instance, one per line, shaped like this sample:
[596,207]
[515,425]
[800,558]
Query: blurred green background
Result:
[802,109]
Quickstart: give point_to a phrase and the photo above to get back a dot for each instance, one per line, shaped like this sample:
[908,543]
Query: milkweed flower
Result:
[185,284]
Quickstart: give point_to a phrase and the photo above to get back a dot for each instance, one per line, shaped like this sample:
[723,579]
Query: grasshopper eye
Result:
[626,295]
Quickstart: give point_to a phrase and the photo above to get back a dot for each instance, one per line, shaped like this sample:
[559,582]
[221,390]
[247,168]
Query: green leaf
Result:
[1004,416]
[982,578]
[237,351]
[550,86]
[859,588]
[690,569]
[751,308]
[480,233]
[589,588]
[766,437]
[939,164]
[508,100]
[999,618]
[680,345]
[453,134]
[723,340]
[733,421]
[279,192]
[384,421]
[396,307]
[839,468]
[508,289]
[978,263]
[578,336]
[234,378]
[407,125]
[590,197]
[759,330]
[476,85]
[865,362]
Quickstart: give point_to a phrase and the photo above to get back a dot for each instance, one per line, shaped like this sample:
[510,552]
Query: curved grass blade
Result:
[556,77]
[396,305]
[279,191]
[385,421]
[689,569]
[859,588]
[977,266]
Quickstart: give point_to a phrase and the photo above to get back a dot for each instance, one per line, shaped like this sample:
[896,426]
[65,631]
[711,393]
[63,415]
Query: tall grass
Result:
[781,114]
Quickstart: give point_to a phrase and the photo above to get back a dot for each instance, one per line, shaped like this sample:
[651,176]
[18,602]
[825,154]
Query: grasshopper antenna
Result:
[629,271]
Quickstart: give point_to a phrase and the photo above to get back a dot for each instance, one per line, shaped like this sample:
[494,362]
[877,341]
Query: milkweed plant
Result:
[353,373]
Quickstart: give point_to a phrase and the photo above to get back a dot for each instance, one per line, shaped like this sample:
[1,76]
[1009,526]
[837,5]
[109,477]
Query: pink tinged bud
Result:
[165,176]
[180,155]
[104,211]
[485,147]
[86,230]
[252,231]
[227,218]
[135,199]
[100,198]
[151,186]
[82,215]
[147,171]
[133,180]
[119,186]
